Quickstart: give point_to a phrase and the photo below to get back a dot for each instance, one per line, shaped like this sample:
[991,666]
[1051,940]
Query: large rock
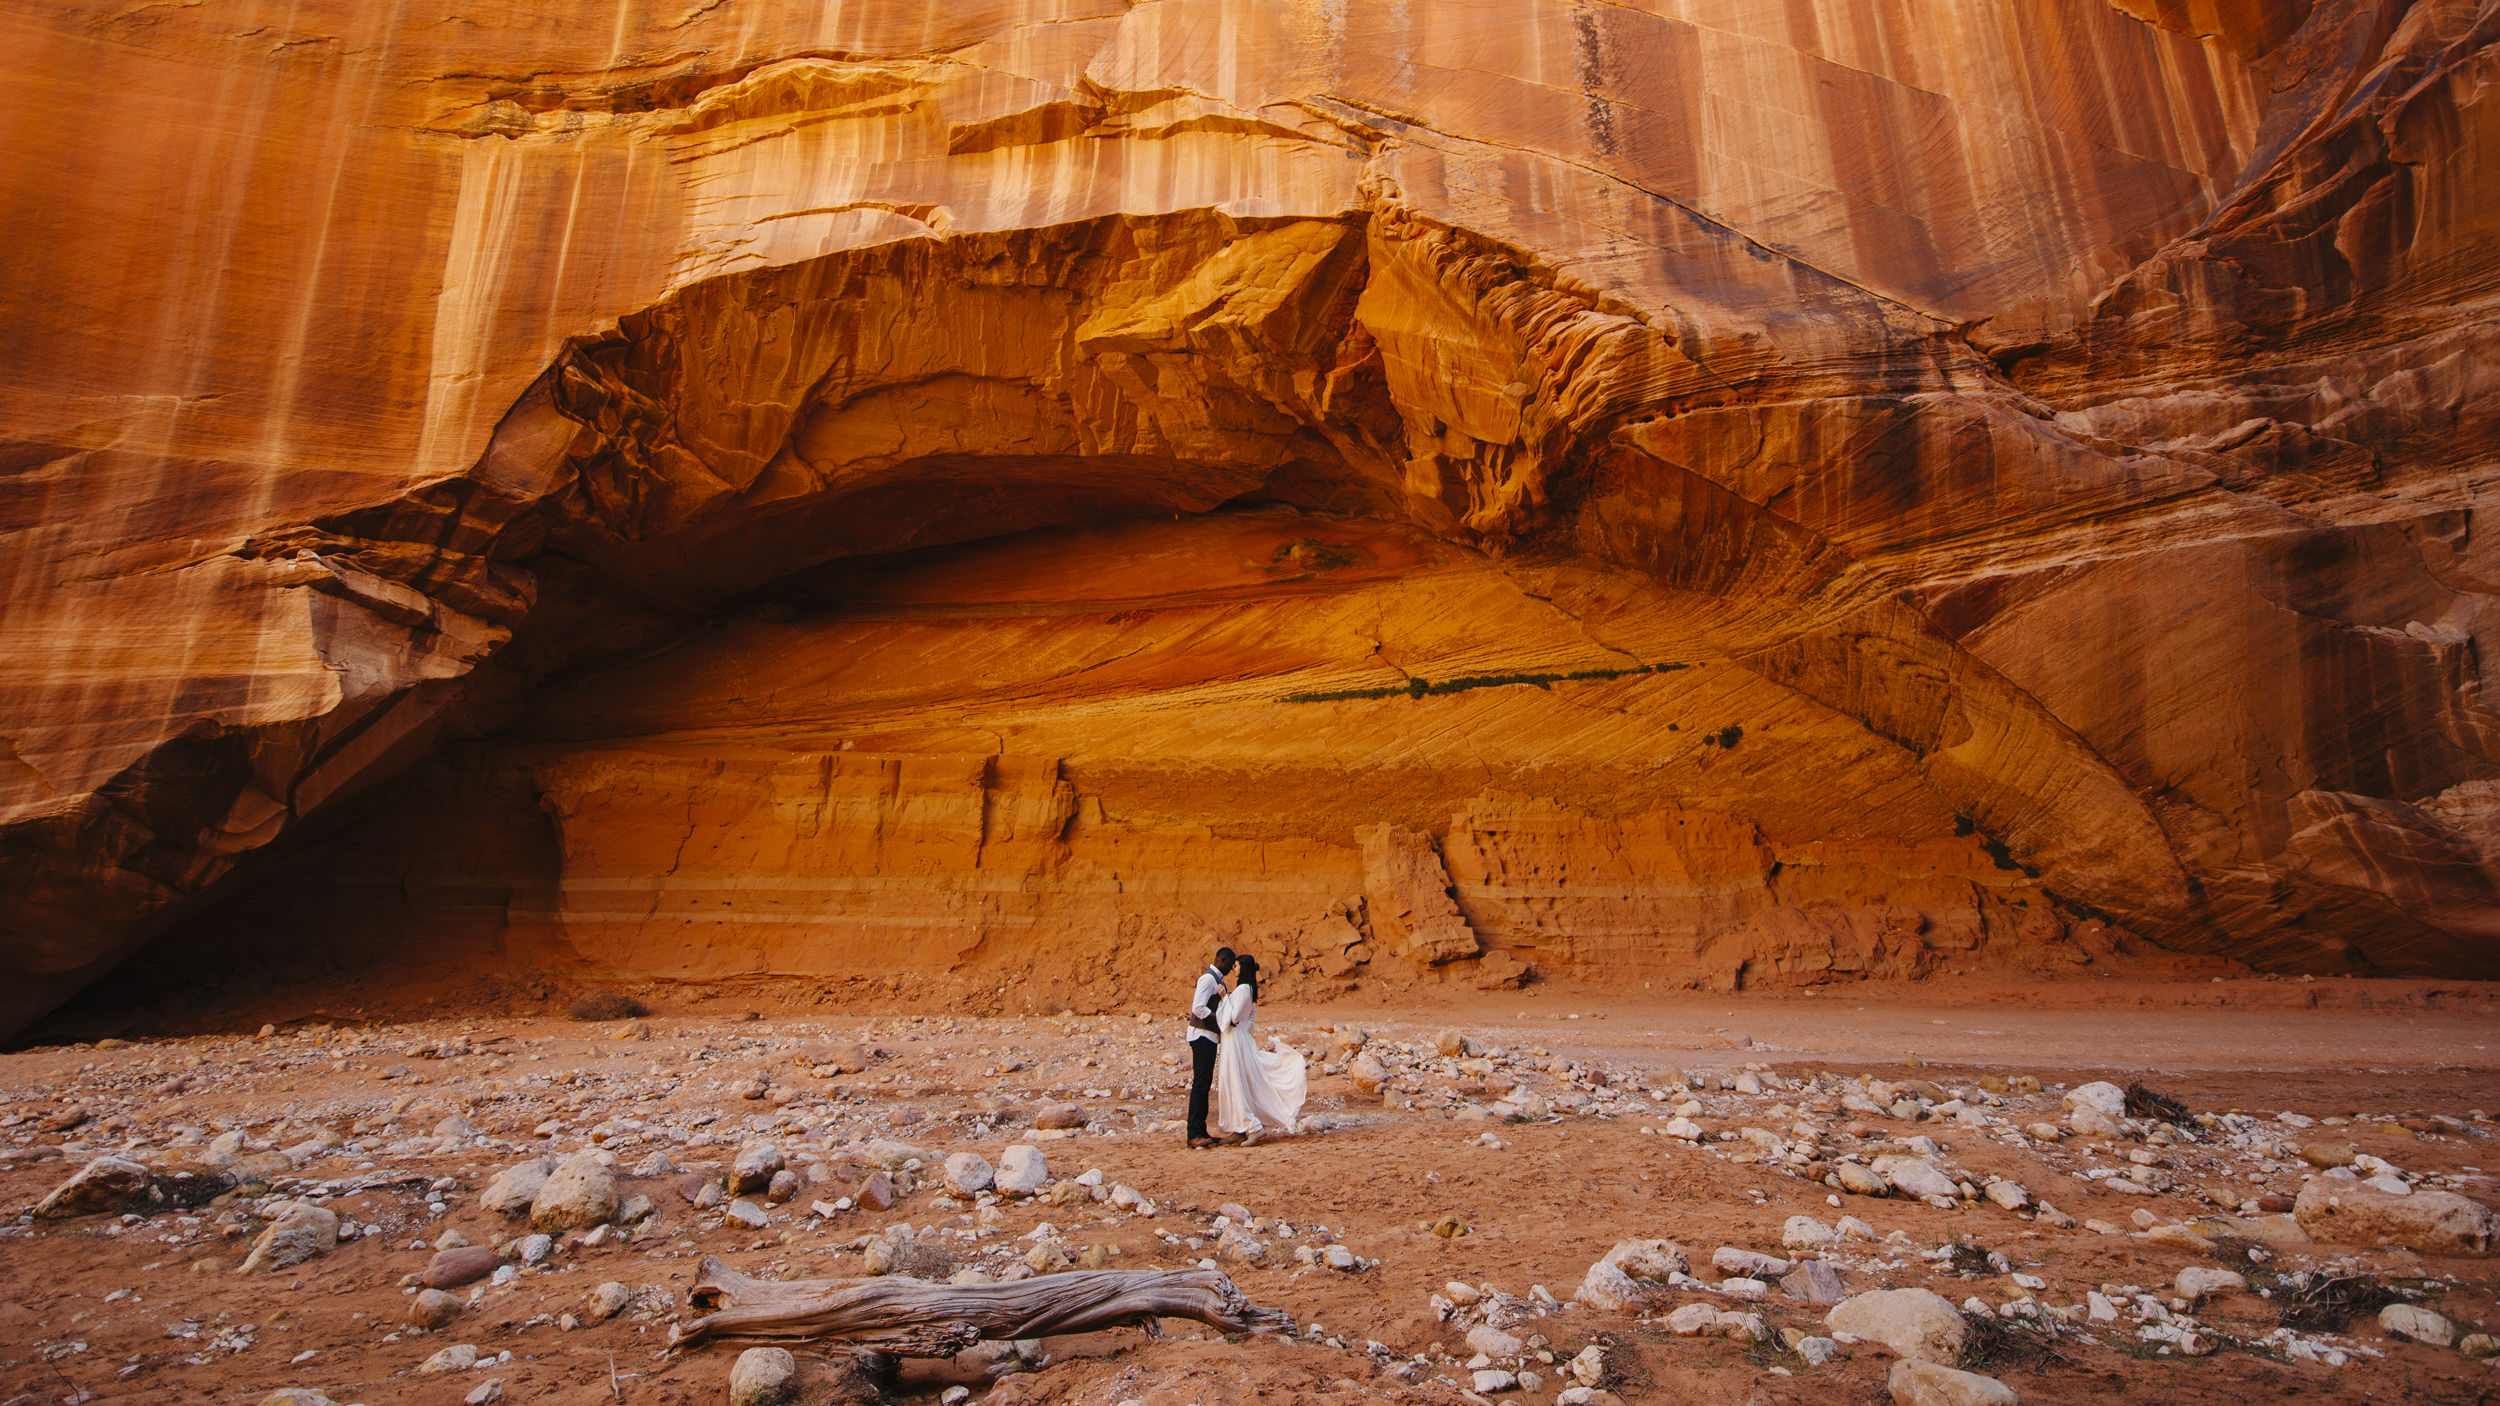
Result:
[1915,1175]
[2339,1212]
[756,1163]
[1609,1290]
[1928,1384]
[1022,1170]
[969,1173]
[117,1184]
[1912,1322]
[763,1376]
[1757,324]
[2418,1324]
[580,1193]
[515,1188]
[1654,1260]
[297,1233]
[2102,1097]
[463,1264]
[105,1184]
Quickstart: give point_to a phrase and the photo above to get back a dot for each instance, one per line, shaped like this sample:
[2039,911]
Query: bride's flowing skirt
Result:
[1258,1089]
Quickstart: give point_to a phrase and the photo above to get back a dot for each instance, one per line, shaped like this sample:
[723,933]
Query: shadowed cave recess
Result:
[994,616]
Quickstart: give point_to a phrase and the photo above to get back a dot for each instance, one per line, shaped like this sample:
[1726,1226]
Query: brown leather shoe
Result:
[1202,1142]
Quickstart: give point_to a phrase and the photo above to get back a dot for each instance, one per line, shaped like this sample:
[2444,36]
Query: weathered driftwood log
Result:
[917,1318]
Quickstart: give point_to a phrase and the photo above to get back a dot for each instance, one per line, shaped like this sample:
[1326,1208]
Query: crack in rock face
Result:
[978,492]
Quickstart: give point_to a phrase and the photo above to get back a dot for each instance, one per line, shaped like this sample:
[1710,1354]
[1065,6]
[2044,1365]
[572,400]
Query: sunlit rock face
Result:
[1744,494]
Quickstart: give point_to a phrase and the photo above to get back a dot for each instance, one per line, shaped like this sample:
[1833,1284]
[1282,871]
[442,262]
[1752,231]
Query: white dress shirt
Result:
[1202,1001]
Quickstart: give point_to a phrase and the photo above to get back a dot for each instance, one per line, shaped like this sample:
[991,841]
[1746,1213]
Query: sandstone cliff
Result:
[1756,491]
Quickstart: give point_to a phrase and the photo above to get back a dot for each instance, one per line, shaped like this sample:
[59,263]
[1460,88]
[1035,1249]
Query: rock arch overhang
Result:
[2124,494]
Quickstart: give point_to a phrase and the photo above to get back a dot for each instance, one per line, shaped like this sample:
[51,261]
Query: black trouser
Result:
[1201,1078]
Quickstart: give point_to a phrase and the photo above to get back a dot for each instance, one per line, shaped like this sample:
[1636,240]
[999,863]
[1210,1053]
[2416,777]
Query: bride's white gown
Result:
[1255,1089]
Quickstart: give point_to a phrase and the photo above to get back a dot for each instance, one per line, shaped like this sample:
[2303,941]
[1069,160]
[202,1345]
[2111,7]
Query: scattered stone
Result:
[2178,1237]
[2088,1121]
[300,1232]
[654,1164]
[747,1213]
[533,1249]
[1851,1228]
[2328,1154]
[2418,1324]
[1589,1367]
[763,1376]
[755,1166]
[1057,1116]
[2106,1099]
[459,1357]
[1816,1351]
[1814,1281]
[1493,1342]
[105,1184]
[1021,1170]
[1684,1128]
[785,1185]
[969,1173]
[432,1308]
[1806,1233]
[283,1396]
[1728,1259]
[2479,1346]
[1915,1383]
[1912,1322]
[464,1264]
[485,1393]
[636,1208]
[2011,1195]
[1367,1072]
[1859,1180]
[1915,1176]
[1692,1318]
[607,1301]
[1609,1290]
[515,1188]
[2429,1222]
[580,1193]
[2197,1282]
[1743,1327]
[1656,1261]
[1492,1379]
[876,1193]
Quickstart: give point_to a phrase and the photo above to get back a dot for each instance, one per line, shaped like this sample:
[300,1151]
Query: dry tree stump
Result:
[916,1318]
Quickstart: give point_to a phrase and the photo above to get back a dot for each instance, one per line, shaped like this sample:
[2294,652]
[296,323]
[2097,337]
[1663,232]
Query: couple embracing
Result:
[1254,1090]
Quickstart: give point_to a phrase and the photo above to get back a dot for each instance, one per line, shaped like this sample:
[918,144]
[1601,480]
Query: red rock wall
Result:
[2087,404]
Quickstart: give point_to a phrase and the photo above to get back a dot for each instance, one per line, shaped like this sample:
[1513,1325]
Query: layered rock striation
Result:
[1743,493]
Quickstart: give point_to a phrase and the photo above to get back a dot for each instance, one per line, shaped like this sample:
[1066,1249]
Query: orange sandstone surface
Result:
[1705,493]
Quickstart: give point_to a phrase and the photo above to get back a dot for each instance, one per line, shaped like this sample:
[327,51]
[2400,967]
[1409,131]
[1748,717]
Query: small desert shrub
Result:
[607,1005]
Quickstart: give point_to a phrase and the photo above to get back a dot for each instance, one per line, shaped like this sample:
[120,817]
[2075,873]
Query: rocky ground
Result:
[1562,1198]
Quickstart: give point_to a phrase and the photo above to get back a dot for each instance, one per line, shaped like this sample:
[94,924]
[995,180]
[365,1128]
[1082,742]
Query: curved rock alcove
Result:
[982,494]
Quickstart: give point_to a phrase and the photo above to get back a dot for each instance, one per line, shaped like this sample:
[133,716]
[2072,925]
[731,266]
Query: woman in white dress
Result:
[1255,1090]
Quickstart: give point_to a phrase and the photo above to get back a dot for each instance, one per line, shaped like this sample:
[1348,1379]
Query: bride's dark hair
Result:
[1249,972]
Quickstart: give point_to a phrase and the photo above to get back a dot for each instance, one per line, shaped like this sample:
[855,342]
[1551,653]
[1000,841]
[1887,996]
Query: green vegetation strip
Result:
[1422,688]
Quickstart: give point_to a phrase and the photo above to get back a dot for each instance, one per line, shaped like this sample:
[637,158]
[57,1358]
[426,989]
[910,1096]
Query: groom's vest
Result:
[1207,1021]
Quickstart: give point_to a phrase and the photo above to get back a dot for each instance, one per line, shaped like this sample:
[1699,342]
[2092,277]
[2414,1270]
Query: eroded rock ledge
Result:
[1871,500]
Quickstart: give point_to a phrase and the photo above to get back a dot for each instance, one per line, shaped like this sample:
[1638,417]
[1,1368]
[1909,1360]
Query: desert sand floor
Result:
[1473,1158]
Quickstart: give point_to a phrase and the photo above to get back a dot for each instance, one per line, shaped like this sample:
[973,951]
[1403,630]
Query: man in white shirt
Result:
[1202,1046]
